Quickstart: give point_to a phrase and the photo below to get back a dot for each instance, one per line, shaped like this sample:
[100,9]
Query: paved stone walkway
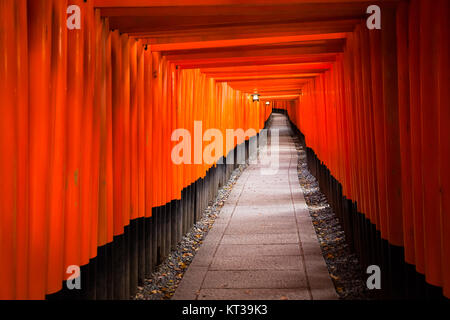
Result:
[263,244]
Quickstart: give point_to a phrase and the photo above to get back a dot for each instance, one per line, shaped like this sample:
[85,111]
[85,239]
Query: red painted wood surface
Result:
[395,146]
[87,116]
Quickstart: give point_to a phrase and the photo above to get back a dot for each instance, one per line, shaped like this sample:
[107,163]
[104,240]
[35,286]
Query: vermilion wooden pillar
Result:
[126,184]
[416,131]
[404,130]
[125,83]
[101,99]
[22,109]
[379,131]
[14,244]
[369,126]
[40,30]
[117,110]
[134,169]
[393,186]
[57,173]
[429,106]
[118,135]
[443,60]
[149,178]
[350,89]
[156,128]
[141,130]
[391,125]
[359,124]
[87,191]
[148,76]
[109,135]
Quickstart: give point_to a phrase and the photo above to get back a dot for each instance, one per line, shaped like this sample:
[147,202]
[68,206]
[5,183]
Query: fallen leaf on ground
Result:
[334,277]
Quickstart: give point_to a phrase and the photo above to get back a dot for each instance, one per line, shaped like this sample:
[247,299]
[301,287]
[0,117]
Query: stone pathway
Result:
[263,244]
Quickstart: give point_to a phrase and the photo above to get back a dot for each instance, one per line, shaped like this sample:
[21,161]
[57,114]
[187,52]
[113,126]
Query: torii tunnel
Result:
[93,92]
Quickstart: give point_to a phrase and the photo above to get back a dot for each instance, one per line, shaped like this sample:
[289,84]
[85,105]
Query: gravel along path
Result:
[166,278]
[343,265]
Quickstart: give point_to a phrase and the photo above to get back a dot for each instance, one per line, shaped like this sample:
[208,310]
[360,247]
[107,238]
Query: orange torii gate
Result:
[86,176]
